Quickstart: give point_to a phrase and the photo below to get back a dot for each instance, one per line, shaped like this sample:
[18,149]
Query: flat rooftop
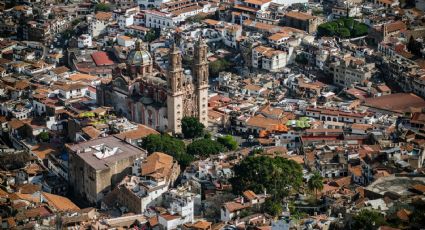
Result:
[395,184]
[102,152]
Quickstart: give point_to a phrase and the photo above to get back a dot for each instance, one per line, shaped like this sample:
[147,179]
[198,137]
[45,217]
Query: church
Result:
[159,100]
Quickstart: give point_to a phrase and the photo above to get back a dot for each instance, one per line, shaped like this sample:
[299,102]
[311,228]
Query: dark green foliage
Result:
[315,183]
[417,219]
[204,148]
[44,136]
[152,35]
[103,7]
[76,22]
[414,47]
[195,19]
[301,59]
[192,128]
[368,220]
[343,28]
[276,175]
[273,208]
[228,141]
[207,135]
[169,145]
[218,66]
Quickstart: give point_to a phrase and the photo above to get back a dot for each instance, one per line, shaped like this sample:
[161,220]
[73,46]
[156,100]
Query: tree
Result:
[344,28]
[258,173]
[44,136]
[192,128]
[368,220]
[103,7]
[195,19]
[169,145]
[301,59]
[273,208]
[228,141]
[315,183]
[152,35]
[204,148]
[218,66]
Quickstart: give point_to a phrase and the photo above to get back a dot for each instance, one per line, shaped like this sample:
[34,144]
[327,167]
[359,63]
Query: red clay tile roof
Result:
[60,203]
[101,58]
[250,195]
[398,102]
[299,15]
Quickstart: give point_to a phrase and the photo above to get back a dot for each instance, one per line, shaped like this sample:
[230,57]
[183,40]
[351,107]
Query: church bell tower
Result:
[200,77]
[175,90]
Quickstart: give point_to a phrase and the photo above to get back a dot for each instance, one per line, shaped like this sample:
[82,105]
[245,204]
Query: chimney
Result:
[242,200]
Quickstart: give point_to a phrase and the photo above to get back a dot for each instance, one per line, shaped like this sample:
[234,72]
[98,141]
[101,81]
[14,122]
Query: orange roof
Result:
[264,123]
[234,206]
[211,22]
[80,76]
[403,214]
[356,170]
[201,225]
[168,216]
[250,195]
[299,15]
[43,150]
[141,132]
[23,84]
[103,16]
[419,187]
[153,221]
[91,131]
[257,2]
[16,124]
[60,203]
[157,163]
[278,36]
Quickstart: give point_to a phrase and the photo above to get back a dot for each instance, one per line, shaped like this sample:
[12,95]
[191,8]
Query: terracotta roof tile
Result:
[60,203]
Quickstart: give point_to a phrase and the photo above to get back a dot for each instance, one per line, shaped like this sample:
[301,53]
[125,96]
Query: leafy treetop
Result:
[192,128]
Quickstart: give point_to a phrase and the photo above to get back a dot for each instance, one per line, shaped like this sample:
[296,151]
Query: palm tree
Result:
[315,183]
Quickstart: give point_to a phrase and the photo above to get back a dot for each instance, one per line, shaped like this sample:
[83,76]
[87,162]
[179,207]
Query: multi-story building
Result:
[125,17]
[158,19]
[302,21]
[387,3]
[180,205]
[150,178]
[97,166]
[247,9]
[98,24]
[268,58]
[150,4]
[350,71]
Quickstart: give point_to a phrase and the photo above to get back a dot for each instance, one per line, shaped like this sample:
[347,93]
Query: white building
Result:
[72,90]
[98,24]
[125,17]
[84,41]
[351,71]
[149,4]
[125,41]
[157,19]
[180,208]
[290,2]
[268,58]
[151,177]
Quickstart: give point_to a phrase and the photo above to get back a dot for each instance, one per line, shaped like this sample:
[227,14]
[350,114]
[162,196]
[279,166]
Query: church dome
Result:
[139,56]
